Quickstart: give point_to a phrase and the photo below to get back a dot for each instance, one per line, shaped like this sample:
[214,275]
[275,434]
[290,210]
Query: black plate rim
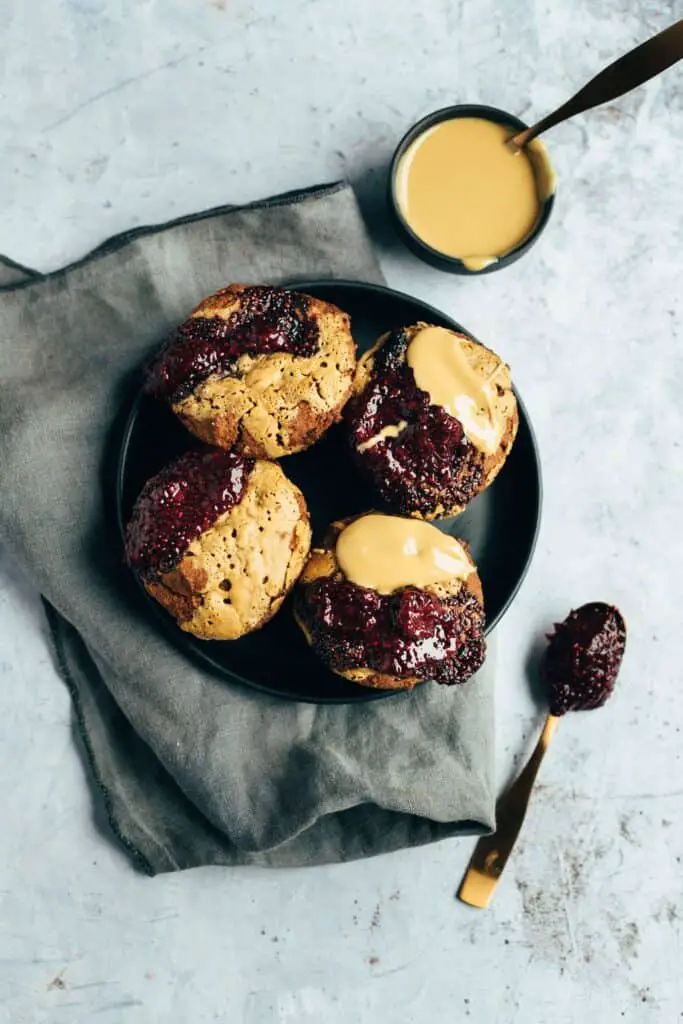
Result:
[175,635]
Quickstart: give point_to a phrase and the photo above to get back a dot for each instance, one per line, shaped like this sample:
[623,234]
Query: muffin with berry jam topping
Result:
[260,369]
[388,602]
[432,420]
[219,539]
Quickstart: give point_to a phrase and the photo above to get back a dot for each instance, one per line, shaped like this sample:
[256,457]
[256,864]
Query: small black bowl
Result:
[420,248]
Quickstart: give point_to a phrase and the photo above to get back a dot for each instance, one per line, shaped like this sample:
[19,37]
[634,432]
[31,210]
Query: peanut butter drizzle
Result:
[385,553]
[442,368]
[392,430]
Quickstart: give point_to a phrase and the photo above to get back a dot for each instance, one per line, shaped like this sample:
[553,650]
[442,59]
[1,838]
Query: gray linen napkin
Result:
[194,770]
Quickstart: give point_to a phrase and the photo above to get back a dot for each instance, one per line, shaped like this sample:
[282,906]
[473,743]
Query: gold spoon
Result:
[635,67]
[491,852]
[581,666]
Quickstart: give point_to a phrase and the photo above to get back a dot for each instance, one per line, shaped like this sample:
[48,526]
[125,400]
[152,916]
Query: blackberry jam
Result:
[583,658]
[411,633]
[179,504]
[268,320]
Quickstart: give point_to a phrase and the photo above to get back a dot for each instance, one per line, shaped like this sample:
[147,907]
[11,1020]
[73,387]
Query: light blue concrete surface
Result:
[115,113]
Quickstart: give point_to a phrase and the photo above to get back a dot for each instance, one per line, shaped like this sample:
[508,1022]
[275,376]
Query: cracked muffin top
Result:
[388,602]
[219,540]
[264,370]
[432,419]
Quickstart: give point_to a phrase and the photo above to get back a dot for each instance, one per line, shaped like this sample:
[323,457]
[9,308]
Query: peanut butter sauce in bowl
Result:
[462,199]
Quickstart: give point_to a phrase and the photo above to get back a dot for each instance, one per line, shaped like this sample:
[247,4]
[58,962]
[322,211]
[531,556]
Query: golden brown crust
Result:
[322,563]
[366,364]
[169,594]
[277,403]
[234,577]
[378,681]
[492,464]
[220,430]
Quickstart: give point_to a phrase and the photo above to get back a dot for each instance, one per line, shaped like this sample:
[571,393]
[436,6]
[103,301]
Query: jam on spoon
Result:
[583,658]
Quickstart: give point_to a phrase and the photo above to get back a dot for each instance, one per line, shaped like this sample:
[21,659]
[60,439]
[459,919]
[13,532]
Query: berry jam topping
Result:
[268,320]
[583,658]
[409,633]
[179,504]
[430,462]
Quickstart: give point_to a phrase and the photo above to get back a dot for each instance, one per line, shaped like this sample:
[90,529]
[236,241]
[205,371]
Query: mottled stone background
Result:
[115,113]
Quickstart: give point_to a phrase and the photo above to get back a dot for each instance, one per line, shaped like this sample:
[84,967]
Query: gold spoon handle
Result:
[491,852]
[638,66]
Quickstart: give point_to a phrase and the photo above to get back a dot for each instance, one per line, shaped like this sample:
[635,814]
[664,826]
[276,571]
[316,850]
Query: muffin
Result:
[260,369]
[388,602]
[219,540]
[432,420]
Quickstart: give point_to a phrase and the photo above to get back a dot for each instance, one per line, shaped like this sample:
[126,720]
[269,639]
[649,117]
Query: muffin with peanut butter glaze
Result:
[432,419]
[389,601]
[219,540]
[263,370]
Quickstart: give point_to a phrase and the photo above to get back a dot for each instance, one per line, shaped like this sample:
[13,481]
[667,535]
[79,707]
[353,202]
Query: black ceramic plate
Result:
[500,525]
